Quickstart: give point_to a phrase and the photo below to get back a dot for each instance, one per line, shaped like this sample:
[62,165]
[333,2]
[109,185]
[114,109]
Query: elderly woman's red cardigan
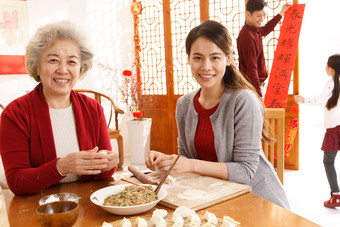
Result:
[27,145]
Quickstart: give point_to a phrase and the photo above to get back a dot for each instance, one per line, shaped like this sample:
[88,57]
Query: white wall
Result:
[110,27]
[319,38]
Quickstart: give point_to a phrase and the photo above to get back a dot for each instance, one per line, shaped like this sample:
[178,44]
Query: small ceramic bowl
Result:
[59,197]
[60,213]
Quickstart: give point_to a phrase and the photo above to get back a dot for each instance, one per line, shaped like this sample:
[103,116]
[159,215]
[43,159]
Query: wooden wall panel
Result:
[177,18]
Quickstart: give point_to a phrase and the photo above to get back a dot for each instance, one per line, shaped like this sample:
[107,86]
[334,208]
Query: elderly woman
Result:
[54,135]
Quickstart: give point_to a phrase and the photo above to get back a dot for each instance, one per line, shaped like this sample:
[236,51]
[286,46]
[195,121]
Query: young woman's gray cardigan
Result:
[237,126]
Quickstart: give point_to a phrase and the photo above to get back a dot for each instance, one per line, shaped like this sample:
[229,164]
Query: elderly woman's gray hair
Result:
[47,35]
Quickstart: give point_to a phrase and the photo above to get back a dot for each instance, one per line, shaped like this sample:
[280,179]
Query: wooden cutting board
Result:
[215,190]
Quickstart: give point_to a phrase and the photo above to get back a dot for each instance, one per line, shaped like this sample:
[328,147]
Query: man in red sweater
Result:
[249,42]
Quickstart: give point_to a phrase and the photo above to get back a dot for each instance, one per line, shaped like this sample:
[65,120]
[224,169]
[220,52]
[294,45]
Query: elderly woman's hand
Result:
[88,162]
[112,159]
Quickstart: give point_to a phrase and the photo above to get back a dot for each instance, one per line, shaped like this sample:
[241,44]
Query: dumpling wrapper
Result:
[192,194]
[102,152]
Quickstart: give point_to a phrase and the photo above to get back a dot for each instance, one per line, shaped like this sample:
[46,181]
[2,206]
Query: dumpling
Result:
[125,223]
[163,213]
[158,220]
[141,222]
[105,224]
[210,217]
[195,220]
[183,211]
[229,222]
[170,179]
[52,198]
[208,224]
[178,220]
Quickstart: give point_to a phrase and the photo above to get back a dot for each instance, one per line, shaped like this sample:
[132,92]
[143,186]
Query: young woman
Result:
[220,125]
[331,141]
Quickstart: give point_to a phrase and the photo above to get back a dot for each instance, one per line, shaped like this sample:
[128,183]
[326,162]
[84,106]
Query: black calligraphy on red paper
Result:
[284,58]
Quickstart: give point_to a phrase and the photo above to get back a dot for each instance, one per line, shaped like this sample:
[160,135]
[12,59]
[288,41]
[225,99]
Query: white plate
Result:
[98,198]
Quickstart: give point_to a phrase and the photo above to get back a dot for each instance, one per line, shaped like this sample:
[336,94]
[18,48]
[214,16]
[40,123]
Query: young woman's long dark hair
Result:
[232,79]
[334,63]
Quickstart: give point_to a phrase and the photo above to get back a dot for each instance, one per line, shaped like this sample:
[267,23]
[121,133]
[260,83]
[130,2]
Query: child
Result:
[331,141]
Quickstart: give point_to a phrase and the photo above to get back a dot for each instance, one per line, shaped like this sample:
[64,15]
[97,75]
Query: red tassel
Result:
[291,133]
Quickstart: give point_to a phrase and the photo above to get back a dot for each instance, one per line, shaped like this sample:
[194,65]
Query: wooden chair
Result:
[114,133]
[276,118]
[3,182]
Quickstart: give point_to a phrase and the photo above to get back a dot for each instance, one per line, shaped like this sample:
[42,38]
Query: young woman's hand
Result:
[154,159]
[162,162]
[183,165]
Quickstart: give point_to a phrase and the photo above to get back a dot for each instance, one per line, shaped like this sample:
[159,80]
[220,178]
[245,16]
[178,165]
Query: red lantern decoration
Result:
[137,114]
[127,73]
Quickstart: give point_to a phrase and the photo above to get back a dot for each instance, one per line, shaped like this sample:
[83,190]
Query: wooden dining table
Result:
[248,209]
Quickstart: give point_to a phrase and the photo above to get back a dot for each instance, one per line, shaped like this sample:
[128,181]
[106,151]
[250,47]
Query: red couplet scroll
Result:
[284,58]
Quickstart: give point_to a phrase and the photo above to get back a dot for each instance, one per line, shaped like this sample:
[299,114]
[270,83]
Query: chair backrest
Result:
[99,97]
[3,182]
[274,150]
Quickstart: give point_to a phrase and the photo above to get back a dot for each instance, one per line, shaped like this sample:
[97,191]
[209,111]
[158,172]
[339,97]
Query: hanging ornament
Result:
[127,73]
[136,8]
[291,131]
[290,138]
[137,114]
